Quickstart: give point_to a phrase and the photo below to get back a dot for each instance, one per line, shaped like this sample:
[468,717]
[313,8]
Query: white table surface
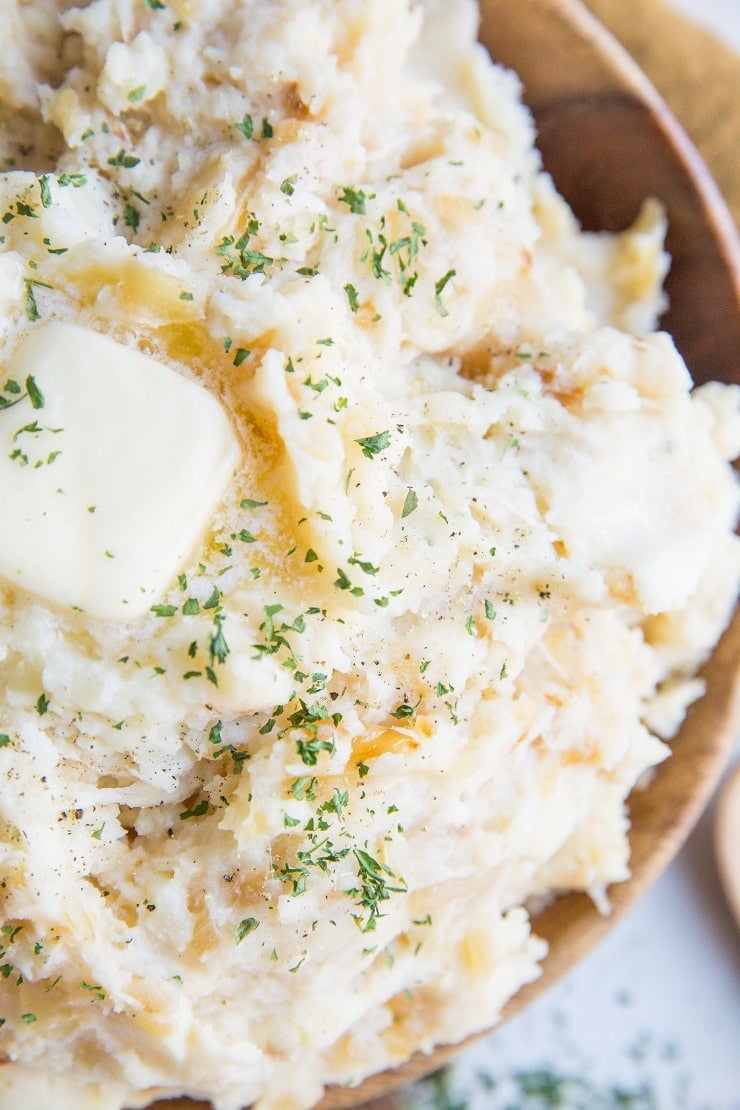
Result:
[651,1019]
[720,16]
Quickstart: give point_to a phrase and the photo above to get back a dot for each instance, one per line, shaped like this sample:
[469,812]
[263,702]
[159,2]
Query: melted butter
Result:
[141,293]
[112,466]
[373,744]
[175,331]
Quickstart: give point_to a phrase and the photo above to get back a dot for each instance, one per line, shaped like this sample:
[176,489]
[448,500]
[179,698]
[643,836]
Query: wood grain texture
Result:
[609,140]
[698,76]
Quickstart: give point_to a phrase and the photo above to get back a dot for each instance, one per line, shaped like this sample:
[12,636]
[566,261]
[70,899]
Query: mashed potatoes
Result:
[389,673]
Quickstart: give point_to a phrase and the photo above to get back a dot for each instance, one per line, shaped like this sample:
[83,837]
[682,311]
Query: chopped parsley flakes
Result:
[373,445]
[244,928]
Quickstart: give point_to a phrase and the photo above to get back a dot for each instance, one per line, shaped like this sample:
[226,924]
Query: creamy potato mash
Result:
[360,544]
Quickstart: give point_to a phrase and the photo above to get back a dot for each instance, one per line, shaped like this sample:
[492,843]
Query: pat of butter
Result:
[111,468]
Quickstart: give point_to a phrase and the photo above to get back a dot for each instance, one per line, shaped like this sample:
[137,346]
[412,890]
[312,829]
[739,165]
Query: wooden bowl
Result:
[609,141]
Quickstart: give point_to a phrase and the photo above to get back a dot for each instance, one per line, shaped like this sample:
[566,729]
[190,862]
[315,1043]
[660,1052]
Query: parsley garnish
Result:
[373,445]
[405,249]
[243,260]
[244,928]
[343,582]
[35,395]
[127,161]
[45,191]
[411,502]
[32,309]
[304,787]
[374,888]
[76,180]
[404,710]
[355,198]
[131,216]
[365,566]
[96,989]
[352,297]
[11,394]
[376,257]
[309,750]
[218,647]
[199,810]
[439,288]
[214,600]
[246,126]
